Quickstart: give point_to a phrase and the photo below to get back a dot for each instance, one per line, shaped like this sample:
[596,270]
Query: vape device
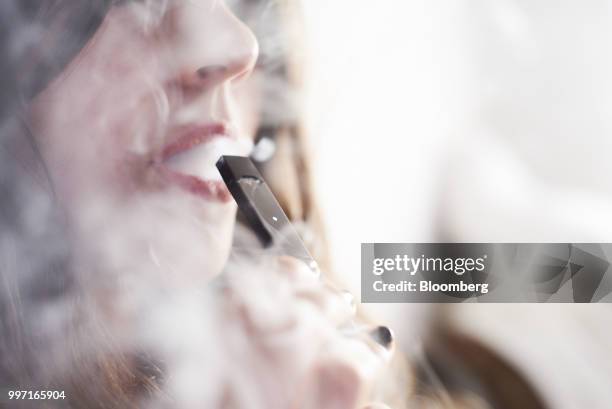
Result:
[261,209]
[270,223]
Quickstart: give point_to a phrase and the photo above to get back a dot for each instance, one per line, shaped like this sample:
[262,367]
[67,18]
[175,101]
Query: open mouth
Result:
[188,160]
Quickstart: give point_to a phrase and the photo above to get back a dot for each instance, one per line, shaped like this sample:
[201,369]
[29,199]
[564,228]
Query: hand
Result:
[308,330]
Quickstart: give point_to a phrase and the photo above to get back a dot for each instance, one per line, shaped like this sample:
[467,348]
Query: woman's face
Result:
[131,130]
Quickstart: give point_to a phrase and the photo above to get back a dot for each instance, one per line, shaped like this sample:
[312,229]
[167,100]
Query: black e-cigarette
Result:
[261,209]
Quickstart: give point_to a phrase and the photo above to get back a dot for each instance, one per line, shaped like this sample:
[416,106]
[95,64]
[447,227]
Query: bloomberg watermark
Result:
[485,272]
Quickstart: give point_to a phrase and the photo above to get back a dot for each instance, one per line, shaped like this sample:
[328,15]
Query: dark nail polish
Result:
[383,336]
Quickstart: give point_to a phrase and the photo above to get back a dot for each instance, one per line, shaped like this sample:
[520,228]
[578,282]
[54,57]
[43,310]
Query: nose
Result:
[212,45]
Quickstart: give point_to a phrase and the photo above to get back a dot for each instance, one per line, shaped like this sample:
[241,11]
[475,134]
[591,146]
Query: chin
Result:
[195,240]
[176,236]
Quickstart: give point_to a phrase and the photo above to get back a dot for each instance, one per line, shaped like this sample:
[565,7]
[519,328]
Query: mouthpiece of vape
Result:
[261,209]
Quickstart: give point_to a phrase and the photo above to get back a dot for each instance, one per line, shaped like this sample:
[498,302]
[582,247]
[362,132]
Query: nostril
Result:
[383,336]
[211,71]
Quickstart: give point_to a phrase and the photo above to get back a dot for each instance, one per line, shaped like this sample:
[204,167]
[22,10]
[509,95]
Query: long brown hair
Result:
[288,172]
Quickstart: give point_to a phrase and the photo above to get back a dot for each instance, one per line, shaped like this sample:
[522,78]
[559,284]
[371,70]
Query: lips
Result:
[188,160]
[191,136]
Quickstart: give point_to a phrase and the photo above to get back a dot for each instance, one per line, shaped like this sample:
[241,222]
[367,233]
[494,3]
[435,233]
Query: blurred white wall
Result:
[465,120]
[387,85]
[484,119]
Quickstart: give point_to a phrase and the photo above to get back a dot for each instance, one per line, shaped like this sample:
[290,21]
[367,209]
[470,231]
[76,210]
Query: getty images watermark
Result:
[412,265]
[485,272]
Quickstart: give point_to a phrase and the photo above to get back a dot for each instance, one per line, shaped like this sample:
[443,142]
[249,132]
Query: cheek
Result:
[98,122]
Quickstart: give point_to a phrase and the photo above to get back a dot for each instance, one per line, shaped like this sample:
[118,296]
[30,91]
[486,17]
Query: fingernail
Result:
[349,298]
